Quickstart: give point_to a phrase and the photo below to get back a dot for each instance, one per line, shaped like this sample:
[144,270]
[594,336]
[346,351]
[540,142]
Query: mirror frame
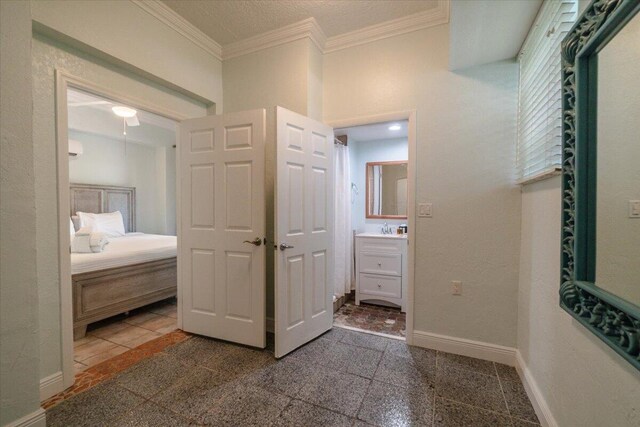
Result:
[366,199]
[613,319]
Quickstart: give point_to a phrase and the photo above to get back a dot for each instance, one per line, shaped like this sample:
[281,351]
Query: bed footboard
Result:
[105,293]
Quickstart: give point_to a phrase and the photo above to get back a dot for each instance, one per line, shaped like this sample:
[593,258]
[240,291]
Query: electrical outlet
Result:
[424,210]
[456,287]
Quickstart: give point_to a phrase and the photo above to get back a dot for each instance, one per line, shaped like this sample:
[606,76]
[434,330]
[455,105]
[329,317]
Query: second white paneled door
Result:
[221,252]
[304,230]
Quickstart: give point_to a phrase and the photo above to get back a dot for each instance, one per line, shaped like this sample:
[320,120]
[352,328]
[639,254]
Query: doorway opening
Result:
[372,222]
[122,175]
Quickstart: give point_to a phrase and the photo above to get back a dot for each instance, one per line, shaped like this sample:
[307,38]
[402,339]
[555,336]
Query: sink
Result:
[382,236]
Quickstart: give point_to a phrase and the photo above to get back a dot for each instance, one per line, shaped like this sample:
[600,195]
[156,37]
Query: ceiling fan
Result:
[129,115]
[129,118]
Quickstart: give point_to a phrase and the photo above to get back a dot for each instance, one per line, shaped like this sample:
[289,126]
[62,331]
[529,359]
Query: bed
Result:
[134,270]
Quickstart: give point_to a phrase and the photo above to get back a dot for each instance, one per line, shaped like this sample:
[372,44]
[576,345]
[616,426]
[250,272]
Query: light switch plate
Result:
[425,210]
[634,208]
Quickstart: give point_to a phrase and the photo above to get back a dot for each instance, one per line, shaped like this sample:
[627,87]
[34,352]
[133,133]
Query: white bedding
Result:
[133,248]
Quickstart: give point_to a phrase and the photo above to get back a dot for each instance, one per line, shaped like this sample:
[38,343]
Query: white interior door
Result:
[304,230]
[221,251]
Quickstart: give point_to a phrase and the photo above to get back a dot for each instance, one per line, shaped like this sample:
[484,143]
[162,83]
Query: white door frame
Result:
[64,81]
[409,115]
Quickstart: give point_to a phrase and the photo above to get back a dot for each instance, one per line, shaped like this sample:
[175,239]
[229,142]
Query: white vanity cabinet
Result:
[381,268]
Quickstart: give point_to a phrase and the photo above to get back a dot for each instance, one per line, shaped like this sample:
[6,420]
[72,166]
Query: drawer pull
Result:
[379,264]
[379,285]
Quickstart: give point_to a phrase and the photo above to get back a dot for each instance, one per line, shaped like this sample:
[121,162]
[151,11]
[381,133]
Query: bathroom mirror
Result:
[600,278]
[386,190]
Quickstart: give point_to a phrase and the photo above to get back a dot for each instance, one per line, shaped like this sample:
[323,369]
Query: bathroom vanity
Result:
[381,268]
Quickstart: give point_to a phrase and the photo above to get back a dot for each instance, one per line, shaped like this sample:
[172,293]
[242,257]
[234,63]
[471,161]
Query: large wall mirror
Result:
[600,283]
[386,190]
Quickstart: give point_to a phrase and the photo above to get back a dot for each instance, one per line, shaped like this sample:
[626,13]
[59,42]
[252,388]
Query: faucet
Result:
[386,229]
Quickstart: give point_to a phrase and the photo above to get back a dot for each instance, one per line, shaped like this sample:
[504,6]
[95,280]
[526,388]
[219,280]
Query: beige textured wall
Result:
[466,131]
[583,381]
[47,55]
[124,32]
[19,375]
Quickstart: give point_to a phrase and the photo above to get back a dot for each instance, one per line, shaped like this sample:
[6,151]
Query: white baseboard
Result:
[51,385]
[465,347]
[35,419]
[535,395]
[270,325]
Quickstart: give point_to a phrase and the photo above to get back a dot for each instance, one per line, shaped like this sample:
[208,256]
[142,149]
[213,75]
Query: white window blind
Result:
[540,96]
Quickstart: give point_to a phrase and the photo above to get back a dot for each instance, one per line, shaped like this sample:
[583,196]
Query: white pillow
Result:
[111,224]
[72,230]
[87,219]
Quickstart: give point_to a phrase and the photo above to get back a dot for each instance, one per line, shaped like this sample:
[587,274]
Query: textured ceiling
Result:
[227,21]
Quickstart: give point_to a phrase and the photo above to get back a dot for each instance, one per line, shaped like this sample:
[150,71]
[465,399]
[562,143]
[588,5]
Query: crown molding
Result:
[307,28]
[169,17]
[418,21]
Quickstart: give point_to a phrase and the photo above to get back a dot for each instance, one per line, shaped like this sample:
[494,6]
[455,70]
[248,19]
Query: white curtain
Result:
[343,236]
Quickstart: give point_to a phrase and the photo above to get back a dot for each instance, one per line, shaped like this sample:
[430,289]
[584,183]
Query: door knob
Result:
[256,242]
[284,246]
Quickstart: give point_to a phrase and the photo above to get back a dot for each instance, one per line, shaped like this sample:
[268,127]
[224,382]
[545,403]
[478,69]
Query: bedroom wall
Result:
[124,32]
[361,152]
[144,167]
[466,132]
[19,338]
[48,55]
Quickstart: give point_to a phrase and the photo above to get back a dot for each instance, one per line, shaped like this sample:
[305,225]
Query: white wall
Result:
[104,162]
[47,56]
[125,32]
[465,155]
[580,378]
[18,276]
[361,152]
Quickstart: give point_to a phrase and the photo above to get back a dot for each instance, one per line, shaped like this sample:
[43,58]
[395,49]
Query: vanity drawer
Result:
[381,263]
[374,244]
[384,286]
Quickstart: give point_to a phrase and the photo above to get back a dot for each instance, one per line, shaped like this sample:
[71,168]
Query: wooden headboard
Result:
[105,198]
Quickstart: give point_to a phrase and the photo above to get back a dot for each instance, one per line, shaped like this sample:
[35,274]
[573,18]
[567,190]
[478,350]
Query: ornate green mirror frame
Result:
[613,319]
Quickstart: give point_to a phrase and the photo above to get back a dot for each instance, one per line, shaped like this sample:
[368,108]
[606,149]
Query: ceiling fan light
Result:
[122,111]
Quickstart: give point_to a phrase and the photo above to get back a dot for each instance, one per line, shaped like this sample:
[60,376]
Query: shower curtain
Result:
[343,236]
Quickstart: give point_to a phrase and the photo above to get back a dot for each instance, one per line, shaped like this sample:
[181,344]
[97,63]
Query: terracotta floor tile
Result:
[159,323]
[142,317]
[91,349]
[170,310]
[372,318]
[132,336]
[109,329]
[85,340]
[78,367]
[105,355]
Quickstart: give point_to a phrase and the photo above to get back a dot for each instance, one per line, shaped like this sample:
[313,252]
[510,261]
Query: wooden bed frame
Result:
[101,294]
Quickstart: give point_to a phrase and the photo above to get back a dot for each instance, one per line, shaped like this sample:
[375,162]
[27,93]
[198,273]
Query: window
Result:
[540,96]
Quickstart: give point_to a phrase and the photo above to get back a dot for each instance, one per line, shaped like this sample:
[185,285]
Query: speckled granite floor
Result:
[343,378]
[369,317]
